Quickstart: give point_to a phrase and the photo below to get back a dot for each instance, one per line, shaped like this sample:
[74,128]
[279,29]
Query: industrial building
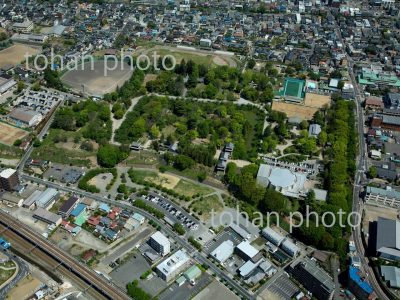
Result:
[313,278]
[385,197]
[388,239]
[173,265]
[47,216]
[285,181]
[160,243]
[25,117]
[272,236]
[6,84]
[247,252]
[223,251]
[47,198]
[290,248]
[9,179]
[391,275]
[358,286]
[30,202]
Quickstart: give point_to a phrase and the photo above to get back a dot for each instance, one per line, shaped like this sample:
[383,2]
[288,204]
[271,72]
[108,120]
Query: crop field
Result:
[98,80]
[14,55]
[9,134]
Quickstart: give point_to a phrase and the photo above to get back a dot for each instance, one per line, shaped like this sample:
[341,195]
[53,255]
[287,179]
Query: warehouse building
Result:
[6,84]
[272,236]
[385,197]
[290,248]
[30,202]
[388,239]
[173,265]
[160,243]
[47,198]
[247,251]
[25,116]
[313,278]
[391,275]
[223,251]
[47,216]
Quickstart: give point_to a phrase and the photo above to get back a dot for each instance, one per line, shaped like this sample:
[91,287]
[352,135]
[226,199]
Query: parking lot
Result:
[133,269]
[172,211]
[186,291]
[282,288]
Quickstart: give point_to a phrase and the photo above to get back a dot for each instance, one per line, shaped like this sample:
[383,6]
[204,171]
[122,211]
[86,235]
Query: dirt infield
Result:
[312,104]
[97,81]
[9,134]
[14,55]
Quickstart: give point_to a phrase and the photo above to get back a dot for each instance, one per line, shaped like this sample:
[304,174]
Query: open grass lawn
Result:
[204,206]
[63,152]
[186,55]
[6,274]
[142,158]
[10,152]
[190,189]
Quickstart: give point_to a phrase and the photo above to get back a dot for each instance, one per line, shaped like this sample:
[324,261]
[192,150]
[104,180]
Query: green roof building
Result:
[293,90]
[81,218]
[373,78]
[192,273]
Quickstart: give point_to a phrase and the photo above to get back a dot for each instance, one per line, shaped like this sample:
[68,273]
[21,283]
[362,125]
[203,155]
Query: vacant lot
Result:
[190,189]
[316,100]
[98,79]
[204,206]
[14,55]
[295,110]
[9,134]
[24,288]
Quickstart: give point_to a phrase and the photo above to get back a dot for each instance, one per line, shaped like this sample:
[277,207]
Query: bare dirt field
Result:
[295,110]
[14,55]
[98,80]
[24,288]
[9,134]
[101,181]
[372,213]
[316,100]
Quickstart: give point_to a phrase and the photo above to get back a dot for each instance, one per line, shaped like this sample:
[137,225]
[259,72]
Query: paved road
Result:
[199,256]
[361,168]
[82,271]
[23,270]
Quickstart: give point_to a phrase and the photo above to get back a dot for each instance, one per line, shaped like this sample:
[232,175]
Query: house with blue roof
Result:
[358,285]
[104,207]
[78,210]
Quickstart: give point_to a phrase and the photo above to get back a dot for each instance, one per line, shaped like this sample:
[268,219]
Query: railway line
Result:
[53,258]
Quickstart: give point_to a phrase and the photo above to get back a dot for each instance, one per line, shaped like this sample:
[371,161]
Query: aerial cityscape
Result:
[200,149]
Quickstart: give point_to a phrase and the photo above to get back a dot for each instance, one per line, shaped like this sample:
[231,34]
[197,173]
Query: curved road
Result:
[23,270]
[201,257]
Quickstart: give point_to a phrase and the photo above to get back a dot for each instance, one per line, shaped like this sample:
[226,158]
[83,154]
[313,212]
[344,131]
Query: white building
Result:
[173,265]
[6,84]
[290,248]
[272,236]
[26,117]
[160,243]
[223,251]
[285,181]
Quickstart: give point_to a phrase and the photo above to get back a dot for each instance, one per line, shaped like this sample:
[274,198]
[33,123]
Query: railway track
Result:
[66,264]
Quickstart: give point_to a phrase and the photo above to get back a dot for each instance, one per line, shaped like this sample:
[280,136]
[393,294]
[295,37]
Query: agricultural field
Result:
[9,134]
[14,55]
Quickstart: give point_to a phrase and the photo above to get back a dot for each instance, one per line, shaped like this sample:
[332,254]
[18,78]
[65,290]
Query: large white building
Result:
[160,243]
[223,251]
[383,197]
[272,236]
[285,181]
[26,117]
[173,265]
